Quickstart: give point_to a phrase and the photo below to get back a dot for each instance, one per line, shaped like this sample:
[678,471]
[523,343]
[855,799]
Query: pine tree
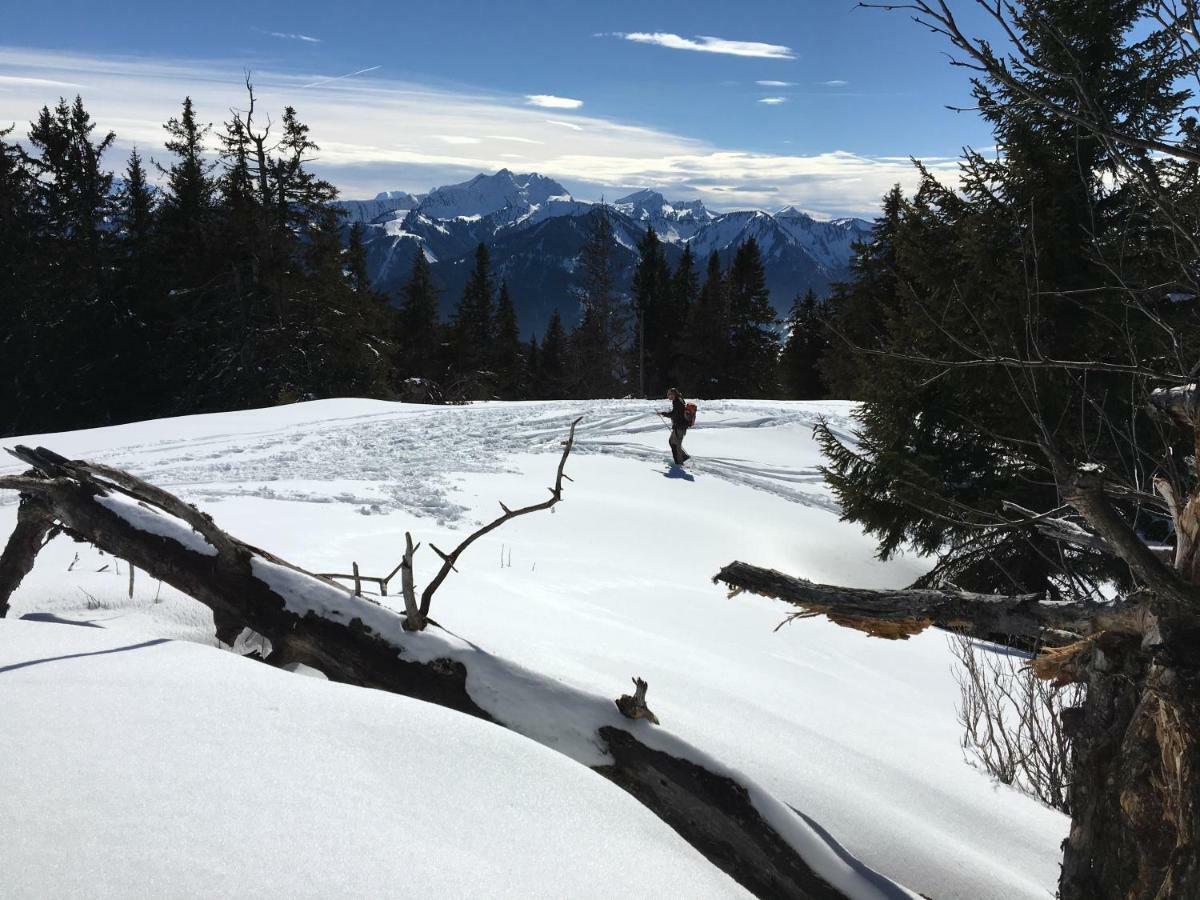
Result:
[552,382]
[419,338]
[684,291]
[189,190]
[508,360]
[598,341]
[655,323]
[533,369]
[753,341]
[77,327]
[807,343]
[1008,258]
[356,260]
[21,225]
[475,327]
[706,358]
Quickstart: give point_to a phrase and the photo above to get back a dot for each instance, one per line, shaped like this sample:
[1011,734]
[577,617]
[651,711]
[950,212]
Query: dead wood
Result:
[899,614]
[634,707]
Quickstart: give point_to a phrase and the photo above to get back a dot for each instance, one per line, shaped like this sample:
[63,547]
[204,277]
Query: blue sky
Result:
[605,96]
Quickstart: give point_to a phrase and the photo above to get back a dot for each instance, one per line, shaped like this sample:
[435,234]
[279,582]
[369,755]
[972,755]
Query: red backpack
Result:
[689,414]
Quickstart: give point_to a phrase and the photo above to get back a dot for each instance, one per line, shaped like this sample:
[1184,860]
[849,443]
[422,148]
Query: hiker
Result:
[679,426]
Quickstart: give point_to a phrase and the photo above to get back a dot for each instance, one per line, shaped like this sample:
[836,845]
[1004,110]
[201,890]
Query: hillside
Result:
[856,733]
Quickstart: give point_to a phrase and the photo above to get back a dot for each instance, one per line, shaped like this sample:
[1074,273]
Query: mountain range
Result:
[535,231]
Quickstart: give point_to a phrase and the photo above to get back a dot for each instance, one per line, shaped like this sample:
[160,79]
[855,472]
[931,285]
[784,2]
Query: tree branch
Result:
[898,614]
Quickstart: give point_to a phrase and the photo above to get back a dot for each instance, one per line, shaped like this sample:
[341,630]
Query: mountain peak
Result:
[486,194]
[645,198]
[791,212]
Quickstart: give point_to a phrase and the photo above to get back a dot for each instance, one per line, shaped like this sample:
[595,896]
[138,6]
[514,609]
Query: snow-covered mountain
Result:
[385,204]
[674,221]
[536,229]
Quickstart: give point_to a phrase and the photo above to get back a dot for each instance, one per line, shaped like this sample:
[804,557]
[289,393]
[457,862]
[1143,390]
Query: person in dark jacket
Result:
[679,426]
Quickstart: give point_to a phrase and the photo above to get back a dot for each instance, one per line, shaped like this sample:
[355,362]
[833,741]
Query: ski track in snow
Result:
[402,460]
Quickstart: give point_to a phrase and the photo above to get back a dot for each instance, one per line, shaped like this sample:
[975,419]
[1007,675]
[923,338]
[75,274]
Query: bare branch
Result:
[449,559]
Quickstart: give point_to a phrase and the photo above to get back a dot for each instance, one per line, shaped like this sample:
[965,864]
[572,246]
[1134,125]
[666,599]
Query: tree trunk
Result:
[1134,793]
[1135,772]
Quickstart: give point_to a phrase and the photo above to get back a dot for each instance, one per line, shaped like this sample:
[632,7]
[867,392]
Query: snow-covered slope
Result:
[383,206]
[141,767]
[858,733]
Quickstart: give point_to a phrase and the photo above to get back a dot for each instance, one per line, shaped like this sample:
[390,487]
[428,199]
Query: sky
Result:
[763,104]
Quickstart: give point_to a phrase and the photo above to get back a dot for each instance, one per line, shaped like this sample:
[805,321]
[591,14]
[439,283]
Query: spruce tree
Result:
[597,343]
[807,343]
[77,328]
[474,326]
[684,291]
[508,356]
[552,357]
[706,358]
[654,323]
[753,341]
[419,337]
[1008,260]
[356,260]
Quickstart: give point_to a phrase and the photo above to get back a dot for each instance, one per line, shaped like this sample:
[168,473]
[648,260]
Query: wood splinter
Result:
[635,707]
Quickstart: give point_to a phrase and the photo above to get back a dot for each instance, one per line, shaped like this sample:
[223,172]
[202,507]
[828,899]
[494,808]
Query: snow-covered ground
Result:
[181,755]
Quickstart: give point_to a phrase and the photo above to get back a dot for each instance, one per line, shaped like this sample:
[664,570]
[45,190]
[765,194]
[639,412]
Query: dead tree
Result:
[352,639]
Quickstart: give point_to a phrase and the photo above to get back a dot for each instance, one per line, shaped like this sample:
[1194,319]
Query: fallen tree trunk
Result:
[312,620]
[898,614]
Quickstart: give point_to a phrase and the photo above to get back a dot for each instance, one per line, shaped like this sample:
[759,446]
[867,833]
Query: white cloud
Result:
[708,44]
[360,124]
[775,83]
[549,101]
[321,81]
[837,82]
[773,101]
[292,36]
[514,139]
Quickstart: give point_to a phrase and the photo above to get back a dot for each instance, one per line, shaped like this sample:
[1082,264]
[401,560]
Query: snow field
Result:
[855,732]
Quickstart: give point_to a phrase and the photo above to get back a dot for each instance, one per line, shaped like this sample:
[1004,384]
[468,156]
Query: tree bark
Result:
[899,614]
[1135,788]
[710,810]
[34,522]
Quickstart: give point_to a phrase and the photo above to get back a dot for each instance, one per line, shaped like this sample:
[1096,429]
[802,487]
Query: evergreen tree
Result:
[189,190]
[652,304]
[508,357]
[475,326]
[77,353]
[684,291]
[1008,261]
[597,343]
[807,343]
[356,260]
[21,226]
[706,360]
[419,338]
[533,369]
[552,358]
[753,341]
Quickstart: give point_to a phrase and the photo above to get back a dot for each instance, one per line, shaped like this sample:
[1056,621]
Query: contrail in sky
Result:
[340,77]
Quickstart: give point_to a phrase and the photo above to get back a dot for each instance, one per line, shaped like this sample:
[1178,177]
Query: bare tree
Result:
[1012,720]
